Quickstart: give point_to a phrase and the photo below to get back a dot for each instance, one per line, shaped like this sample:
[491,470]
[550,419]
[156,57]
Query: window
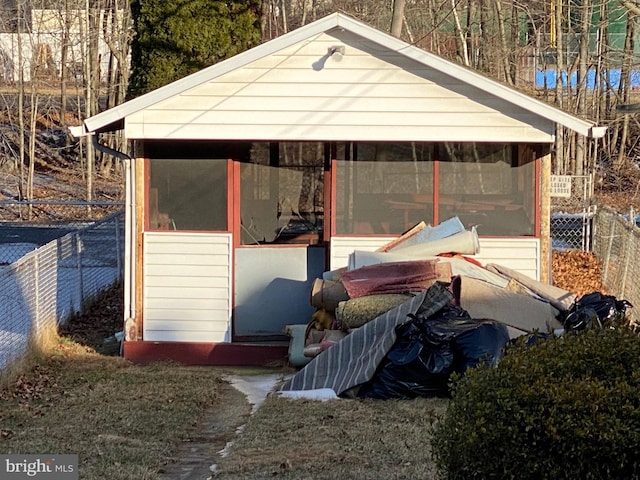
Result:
[188,194]
[282,193]
[387,189]
[486,185]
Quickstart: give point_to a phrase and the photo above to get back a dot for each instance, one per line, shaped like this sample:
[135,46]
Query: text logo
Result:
[44,467]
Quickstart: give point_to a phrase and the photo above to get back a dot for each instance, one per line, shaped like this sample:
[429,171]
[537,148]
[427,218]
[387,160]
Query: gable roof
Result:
[113,118]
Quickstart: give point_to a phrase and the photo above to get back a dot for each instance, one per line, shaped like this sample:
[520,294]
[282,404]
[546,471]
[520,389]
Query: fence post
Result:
[607,258]
[36,281]
[116,222]
[627,258]
[79,264]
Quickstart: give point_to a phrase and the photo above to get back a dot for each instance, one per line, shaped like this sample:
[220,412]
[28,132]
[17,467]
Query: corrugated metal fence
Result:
[44,287]
[616,243]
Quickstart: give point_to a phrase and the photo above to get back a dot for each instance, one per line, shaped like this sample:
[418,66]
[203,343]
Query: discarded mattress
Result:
[521,313]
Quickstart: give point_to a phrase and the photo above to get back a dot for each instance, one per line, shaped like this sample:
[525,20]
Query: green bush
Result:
[563,408]
[179,37]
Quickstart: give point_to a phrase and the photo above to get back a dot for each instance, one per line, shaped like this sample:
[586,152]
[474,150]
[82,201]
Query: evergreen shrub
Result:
[563,408]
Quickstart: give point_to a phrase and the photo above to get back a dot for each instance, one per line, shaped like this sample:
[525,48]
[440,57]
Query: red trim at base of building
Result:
[215,354]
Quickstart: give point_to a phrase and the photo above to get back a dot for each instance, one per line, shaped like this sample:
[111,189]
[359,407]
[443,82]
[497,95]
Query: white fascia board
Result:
[78,131]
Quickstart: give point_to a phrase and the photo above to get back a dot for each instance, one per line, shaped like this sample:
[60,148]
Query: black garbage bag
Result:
[482,344]
[594,310]
[428,350]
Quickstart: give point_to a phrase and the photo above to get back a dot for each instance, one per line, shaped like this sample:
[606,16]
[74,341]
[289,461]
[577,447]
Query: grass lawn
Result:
[128,422]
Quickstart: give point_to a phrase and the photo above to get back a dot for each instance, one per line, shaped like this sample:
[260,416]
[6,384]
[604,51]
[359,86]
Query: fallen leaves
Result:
[577,271]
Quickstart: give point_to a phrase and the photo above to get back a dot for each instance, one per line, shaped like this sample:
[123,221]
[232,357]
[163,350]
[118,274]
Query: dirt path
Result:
[195,456]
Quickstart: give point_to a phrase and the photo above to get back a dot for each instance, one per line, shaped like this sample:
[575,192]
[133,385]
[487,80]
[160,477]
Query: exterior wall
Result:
[342,247]
[520,254]
[187,287]
[371,93]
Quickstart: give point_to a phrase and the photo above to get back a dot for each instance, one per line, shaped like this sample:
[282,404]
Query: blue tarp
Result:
[612,77]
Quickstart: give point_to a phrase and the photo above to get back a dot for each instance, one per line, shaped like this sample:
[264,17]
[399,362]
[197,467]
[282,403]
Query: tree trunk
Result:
[64,50]
[582,87]
[21,126]
[398,15]
[624,90]
[504,54]
[460,36]
[560,166]
[88,80]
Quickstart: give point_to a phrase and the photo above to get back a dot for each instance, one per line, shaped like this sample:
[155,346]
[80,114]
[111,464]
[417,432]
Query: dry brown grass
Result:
[347,439]
[123,421]
[129,422]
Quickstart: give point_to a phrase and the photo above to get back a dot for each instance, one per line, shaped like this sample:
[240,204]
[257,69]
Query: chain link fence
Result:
[45,286]
[617,245]
[571,212]
[48,211]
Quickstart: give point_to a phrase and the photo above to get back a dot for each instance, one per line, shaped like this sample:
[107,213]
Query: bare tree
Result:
[397,18]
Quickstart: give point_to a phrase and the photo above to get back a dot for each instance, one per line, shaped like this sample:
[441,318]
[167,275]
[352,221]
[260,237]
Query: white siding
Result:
[373,93]
[342,247]
[187,287]
[520,254]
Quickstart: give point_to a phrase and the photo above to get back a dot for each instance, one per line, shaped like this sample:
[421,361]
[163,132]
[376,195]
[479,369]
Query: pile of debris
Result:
[397,322]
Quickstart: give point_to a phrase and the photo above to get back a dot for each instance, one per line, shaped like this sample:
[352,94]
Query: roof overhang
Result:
[114,118]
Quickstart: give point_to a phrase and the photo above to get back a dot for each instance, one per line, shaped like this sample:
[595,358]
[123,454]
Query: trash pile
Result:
[398,322]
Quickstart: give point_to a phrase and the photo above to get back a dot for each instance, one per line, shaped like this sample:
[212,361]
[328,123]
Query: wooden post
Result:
[139,196]
[545,218]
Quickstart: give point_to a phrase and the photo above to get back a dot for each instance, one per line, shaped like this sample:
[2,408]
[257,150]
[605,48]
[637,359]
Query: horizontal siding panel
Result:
[188,337]
[303,104]
[336,117]
[313,89]
[357,60]
[342,247]
[188,248]
[202,271]
[343,75]
[197,292]
[187,303]
[187,259]
[205,316]
[519,254]
[194,326]
[175,239]
[292,132]
[187,285]
[163,281]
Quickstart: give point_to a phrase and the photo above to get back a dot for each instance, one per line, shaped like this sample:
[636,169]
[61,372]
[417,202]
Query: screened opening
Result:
[385,189]
[282,193]
[188,194]
[487,186]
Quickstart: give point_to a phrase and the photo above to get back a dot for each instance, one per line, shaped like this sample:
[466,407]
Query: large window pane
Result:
[282,189]
[386,189]
[188,194]
[486,185]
